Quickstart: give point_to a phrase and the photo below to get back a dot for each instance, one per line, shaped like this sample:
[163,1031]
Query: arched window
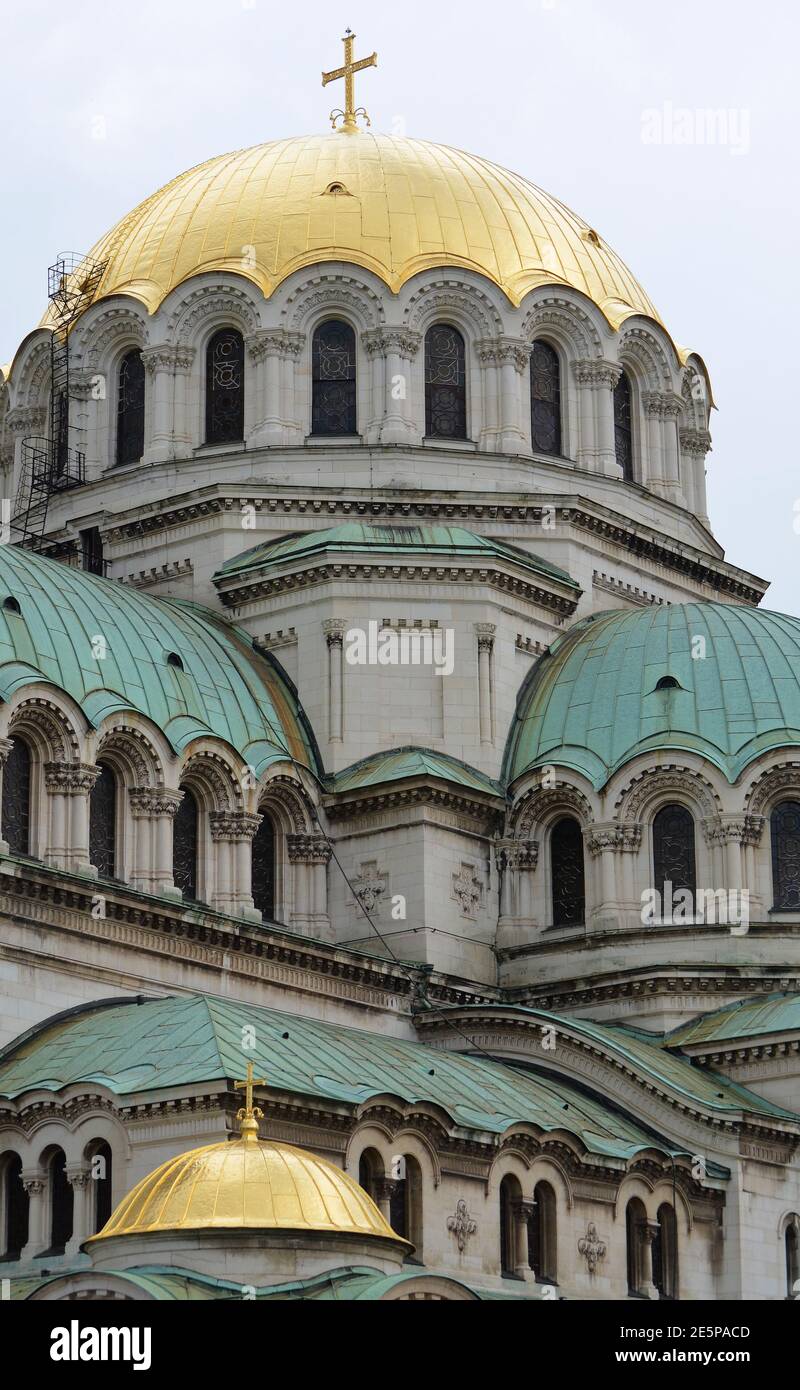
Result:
[225,387]
[264,868]
[510,1196]
[623,425]
[17,798]
[99,1157]
[130,408]
[405,1203]
[567,873]
[674,861]
[635,1222]
[61,1204]
[665,1253]
[445,383]
[371,1174]
[792,1249]
[785,833]
[542,1251]
[333,403]
[103,823]
[15,1209]
[545,399]
[184,845]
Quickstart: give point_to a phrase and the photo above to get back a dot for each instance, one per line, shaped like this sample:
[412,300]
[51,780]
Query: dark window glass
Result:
[623,428]
[333,407]
[398,1207]
[225,387]
[103,823]
[785,828]
[508,1252]
[61,1205]
[130,408]
[17,798]
[264,868]
[566,868]
[792,1244]
[184,846]
[665,1253]
[445,383]
[673,855]
[545,399]
[542,1234]
[92,551]
[100,1165]
[14,1235]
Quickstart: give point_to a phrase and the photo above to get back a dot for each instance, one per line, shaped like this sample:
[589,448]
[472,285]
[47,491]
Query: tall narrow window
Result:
[371,1173]
[130,408]
[665,1253]
[785,832]
[92,560]
[567,874]
[333,405]
[103,823]
[100,1167]
[225,387]
[792,1251]
[405,1202]
[445,383]
[16,1203]
[61,1204]
[542,1234]
[674,861]
[510,1195]
[17,798]
[635,1222]
[545,399]
[184,846]
[264,868]
[623,426]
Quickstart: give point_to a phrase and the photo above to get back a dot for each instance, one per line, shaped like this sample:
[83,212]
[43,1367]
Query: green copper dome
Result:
[113,649]
[709,678]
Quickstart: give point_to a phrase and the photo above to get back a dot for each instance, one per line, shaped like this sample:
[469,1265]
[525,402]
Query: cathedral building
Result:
[400,851]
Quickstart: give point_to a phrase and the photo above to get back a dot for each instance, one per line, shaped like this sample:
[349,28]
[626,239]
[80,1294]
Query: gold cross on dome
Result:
[250,1114]
[351,113]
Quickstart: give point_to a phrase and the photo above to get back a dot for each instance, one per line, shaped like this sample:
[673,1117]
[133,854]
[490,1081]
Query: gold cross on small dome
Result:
[249,1116]
[351,113]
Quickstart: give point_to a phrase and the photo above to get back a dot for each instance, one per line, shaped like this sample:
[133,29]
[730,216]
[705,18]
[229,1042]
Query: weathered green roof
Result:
[778,1013]
[591,703]
[444,541]
[398,764]
[225,688]
[166,1043]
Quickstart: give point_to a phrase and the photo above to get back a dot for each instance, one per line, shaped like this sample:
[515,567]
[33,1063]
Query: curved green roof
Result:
[176,1042]
[399,764]
[444,541]
[592,702]
[751,1018]
[225,689]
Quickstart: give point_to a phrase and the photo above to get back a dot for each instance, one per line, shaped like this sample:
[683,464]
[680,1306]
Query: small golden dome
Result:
[393,206]
[247,1184]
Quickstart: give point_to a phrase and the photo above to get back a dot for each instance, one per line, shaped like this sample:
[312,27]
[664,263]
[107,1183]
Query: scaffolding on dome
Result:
[49,464]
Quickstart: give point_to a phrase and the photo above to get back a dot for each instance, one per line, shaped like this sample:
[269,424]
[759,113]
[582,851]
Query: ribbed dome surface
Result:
[393,206]
[593,703]
[247,1184]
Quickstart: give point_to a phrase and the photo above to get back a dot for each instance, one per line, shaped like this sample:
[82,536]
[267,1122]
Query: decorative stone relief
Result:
[591,1247]
[461,1225]
[468,890]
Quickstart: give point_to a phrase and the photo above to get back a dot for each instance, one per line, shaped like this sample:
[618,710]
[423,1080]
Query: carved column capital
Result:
[733,829]
[405,342]
[167,357]
[154,801]
[308,849]
[233,826]
[334,629]
[70,779]
[596,373]
[6,744]
[26,419]
[485,633]
[517,854]
[696,443]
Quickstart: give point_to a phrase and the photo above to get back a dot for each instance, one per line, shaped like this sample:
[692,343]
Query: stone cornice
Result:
[656,982]
[489,810]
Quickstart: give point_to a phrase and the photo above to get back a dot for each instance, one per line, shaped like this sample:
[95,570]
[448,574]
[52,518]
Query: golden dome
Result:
[393,206]
[247,1184]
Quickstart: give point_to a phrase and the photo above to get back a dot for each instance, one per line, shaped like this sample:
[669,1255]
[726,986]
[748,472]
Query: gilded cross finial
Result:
[351,113]
[250,1114]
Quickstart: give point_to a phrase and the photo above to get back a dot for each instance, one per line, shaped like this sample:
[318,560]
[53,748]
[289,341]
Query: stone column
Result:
[334,629]
[648,1231]
[153,810]
[266,349]
[512,356]
[294,425]
[603,841]
[653,476]
[159,364]
[596,379]
[86,388]
[485,633]
[372,343]
[671,410]
[486,349]
[394,349]
[233,833]
[183,435]
[523,1215]
[36,1186]
[82,1192]
[517,861]
[695,444]
[6,744]
[68,786]
[309,856]
[385,1190]
[732,835]
[629,840]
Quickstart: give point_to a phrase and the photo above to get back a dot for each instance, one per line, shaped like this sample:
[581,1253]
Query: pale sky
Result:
[557,90]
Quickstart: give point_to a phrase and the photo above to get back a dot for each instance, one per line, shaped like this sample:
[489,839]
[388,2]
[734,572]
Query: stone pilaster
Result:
[391,352]
[485,634]
[67,837]
[232,833]
[309,856]
[334,630]
[695,445]
[662,410]
[596,379]
[153,810]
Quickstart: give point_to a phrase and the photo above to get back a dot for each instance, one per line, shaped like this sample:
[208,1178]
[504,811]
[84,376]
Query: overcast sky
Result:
[601,102]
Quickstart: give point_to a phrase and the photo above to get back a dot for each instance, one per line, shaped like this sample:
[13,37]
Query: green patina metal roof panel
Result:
[167,1043]
[107,646]
[777,1013]
[443,541]
[591,703]
[401,763]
